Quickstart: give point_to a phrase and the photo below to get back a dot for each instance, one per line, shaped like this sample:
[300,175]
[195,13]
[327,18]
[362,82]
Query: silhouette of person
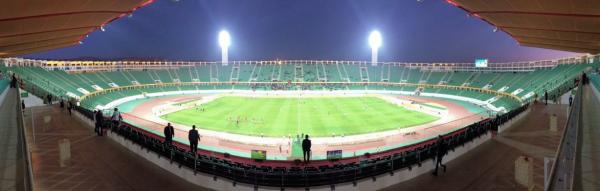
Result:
[570,100]
[306,149]
[194,137]
[99,121]
[69,106]
[545,97]
[169,132]
[441,151]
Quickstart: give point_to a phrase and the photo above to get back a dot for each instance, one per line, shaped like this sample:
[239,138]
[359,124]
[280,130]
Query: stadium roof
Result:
[569,25]
[28,26]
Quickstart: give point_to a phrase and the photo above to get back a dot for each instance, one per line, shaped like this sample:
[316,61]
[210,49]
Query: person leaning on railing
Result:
[116,118]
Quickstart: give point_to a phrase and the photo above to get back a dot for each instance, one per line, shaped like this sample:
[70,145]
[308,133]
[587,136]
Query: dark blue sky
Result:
[428,31]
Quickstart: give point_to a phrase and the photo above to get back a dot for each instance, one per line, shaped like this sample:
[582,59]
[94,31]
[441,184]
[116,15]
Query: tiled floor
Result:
[8,143]
[491,166]
[96,163]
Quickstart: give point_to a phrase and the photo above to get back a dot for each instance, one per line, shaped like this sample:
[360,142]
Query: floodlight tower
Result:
[224,42]
[375,43]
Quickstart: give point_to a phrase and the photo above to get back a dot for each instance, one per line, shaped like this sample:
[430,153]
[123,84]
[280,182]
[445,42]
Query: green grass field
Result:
[317,116]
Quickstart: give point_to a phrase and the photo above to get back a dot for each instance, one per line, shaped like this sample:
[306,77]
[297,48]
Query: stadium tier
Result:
[502,89]
[97,88]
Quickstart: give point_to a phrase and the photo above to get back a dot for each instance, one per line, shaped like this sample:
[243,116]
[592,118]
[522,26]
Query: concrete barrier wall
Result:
[219,183]
[3,94]
[515,119]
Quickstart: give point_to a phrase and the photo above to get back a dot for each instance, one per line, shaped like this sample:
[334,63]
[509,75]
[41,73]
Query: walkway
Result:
[588,167]
[9,158]
[96,163]
[491,166]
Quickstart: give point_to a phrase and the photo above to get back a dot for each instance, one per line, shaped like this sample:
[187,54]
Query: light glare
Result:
[224,39]
[375,39]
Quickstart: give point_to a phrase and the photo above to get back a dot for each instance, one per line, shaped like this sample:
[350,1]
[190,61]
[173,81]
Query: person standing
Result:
[99,120]
[545,97]
[62,104]
[570,100]
[69,107]
[169,132]
[194,137]
[116,117]
[306,149]
[23,106]
[49,98]
[13,81]
[441,151]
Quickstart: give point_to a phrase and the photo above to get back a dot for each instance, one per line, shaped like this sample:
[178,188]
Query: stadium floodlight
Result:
[224,42]
[375,43]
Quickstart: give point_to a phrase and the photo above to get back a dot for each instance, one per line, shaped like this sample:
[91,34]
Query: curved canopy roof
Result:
[569,25]
[29,26]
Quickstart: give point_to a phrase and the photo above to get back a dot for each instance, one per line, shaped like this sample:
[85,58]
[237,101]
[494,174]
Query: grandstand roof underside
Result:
[568,25]
[29,26]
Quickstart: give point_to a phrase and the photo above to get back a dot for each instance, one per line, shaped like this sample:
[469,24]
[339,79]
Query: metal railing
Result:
[562,172]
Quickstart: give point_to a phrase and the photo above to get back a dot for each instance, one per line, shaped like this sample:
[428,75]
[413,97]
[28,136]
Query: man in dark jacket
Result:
[194,137]
[169,132]
[441,151]
[306,149]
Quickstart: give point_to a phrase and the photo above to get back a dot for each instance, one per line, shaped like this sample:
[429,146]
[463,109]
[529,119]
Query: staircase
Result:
[298,72]
[385,73]
[214,73]
[275,75]
[364,72]
[253,77]
[321,73]
[235,72]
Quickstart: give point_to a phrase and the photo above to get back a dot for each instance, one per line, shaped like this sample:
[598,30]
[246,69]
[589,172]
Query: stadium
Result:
[373,124]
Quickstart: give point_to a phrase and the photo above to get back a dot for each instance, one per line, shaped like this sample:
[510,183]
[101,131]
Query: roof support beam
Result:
[537,13]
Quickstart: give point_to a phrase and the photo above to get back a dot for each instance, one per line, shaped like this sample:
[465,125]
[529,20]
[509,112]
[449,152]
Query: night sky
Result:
[427,31]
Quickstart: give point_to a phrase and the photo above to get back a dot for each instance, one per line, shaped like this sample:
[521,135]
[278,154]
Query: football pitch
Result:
[283,116]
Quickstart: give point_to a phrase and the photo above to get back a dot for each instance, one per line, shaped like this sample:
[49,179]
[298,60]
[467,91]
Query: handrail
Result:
[562,171]
[23,149]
